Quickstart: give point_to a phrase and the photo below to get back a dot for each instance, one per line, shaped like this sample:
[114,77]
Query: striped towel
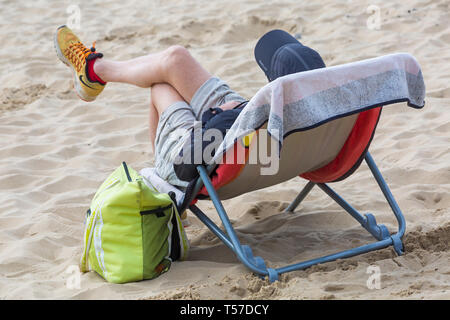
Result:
[305,100]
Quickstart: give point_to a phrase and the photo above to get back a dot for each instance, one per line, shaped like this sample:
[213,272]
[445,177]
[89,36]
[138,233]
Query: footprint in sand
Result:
[14,98]
[265,209]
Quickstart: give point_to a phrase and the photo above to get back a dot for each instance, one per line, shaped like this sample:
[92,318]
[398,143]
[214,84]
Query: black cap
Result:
[278,54]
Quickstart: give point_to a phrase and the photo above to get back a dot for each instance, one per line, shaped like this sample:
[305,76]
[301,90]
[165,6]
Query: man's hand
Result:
[229,105]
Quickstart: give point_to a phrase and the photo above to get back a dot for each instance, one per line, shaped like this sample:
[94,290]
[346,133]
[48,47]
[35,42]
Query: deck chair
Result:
[321,123]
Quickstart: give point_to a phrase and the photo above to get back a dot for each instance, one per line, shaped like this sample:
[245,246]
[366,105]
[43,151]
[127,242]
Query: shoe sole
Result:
[76,84]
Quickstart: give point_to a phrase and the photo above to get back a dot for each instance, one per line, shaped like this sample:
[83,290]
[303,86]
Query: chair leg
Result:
[396,238]
[294,204]
[368,221]
[243,252]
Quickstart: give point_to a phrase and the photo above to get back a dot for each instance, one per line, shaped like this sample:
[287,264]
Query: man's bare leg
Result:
[174,66]
[91,71]
[153,122]
[163,95]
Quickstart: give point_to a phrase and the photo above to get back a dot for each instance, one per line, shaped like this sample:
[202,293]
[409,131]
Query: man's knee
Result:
[176,55]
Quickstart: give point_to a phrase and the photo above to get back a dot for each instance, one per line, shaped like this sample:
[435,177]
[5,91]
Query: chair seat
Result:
[303,152]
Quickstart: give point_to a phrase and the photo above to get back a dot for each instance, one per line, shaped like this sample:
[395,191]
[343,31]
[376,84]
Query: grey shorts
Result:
[177,121]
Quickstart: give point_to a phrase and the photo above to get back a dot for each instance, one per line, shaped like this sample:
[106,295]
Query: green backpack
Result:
[132,232]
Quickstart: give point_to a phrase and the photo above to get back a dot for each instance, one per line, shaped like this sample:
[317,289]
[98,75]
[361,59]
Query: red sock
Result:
[92,75]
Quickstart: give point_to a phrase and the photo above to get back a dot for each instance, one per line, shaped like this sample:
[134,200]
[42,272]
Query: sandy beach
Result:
[56,150]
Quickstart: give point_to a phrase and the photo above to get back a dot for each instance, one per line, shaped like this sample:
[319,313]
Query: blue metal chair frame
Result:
[257,264]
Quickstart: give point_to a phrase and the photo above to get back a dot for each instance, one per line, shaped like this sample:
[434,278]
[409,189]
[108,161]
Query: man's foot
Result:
[80,59]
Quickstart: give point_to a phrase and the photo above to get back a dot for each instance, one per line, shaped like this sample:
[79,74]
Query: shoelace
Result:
[77,53]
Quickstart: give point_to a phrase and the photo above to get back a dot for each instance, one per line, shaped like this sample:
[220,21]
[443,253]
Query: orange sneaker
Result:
[80,59]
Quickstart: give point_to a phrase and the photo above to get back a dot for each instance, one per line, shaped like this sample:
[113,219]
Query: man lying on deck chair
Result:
[182,91]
